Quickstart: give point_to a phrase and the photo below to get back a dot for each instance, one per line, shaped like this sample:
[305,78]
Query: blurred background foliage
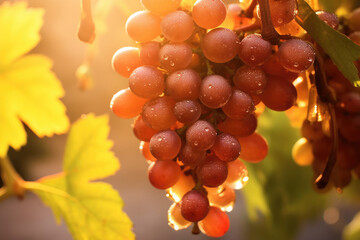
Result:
[279,202]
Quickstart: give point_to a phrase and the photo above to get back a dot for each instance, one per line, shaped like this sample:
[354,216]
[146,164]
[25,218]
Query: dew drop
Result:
[296,64]
[196,143]
[280,20]
[252,57]
[207,129]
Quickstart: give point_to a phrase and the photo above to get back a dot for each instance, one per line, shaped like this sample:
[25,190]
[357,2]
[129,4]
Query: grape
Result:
[254,50]
[302,152]
[239,106]
[161,7]
[254,148]
[350,127]
[237,174]
[347,156]
[215,224]
[329,18]
[296,55]
[175,219]
[183,84]
[201,135]
[145,150]
[125,104]
[282,11]
[183,185]
[165,145]
[163,174]
[212,172]
[147,82]
[220,45]
[194,206]
[222,197]
[187,111]
[158,113]
[227,148]
[354,20]
[273,67]
[175,56]
[322,148]
[312,130]
[341,178]
[251,80]
[142,131]
[125,60]
[239,128]
[177,26]
[209,13]
[350,102]
[279,94]
[149,53]
[189,156]
[215,91]
[143,26]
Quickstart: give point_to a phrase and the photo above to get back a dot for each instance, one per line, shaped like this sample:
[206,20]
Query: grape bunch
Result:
[200,74]
[335,136]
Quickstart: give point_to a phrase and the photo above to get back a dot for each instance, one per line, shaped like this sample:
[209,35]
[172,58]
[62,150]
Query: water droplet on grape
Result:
[280,20]
[160,139]
[252,57]
[210,86]
[196,143]
[296,64]
[191,110]
[172,63]
[165,57]
[207,129]
[310,60]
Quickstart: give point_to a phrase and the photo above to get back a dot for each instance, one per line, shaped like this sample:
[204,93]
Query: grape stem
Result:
[86,31]
[268,31]
[249,12]
[13,183]
[195,229]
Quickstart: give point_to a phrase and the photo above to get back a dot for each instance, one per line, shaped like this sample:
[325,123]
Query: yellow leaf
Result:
[87,154]
[19,30]
[91,210]
[29,90]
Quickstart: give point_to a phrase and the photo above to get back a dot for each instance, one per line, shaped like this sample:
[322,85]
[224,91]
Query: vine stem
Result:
[268,31]
[249,12]
[13,183]
[86,32]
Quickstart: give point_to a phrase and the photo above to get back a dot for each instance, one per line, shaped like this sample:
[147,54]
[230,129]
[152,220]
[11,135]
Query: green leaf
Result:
[352,230]
[340,48]
[91,210]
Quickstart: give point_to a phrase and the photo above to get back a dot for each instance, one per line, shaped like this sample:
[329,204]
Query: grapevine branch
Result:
[328,96]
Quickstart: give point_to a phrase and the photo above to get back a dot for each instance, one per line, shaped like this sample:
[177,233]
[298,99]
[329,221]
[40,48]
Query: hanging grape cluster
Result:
[333,132]
[199,76]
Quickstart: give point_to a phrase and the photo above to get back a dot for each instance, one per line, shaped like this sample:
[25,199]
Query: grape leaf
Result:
[352,230]
[91,210]
[29,90]
[340,48]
